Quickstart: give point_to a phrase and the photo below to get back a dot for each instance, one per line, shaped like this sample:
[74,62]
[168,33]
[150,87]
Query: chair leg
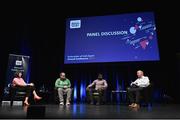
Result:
[11,103]
[12,98]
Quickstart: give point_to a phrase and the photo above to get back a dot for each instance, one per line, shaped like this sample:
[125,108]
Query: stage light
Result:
[75,91]
[82,91]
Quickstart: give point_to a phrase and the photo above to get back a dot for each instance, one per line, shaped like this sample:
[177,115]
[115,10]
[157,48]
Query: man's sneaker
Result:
[61,103]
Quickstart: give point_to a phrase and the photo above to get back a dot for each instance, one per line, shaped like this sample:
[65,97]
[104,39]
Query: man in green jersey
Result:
[63,87]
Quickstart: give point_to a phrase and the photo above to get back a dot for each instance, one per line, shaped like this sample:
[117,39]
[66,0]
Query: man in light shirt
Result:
[135,87]
[100,86]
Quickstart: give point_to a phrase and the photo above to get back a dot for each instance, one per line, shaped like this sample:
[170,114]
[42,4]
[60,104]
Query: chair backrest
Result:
[16,91]
[147,93]
[95,93]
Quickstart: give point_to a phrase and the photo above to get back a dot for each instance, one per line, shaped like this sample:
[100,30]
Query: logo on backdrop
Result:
[75,24]
[18,63]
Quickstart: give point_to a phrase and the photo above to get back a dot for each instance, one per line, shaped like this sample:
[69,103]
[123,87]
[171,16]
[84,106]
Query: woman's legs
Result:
[26,101]
[28,92]
[30,88]
[36,96]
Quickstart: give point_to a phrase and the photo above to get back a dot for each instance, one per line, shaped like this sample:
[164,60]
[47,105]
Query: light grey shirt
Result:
[142,82]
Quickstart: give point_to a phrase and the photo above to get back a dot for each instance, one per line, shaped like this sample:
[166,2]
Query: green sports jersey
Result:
[61,83]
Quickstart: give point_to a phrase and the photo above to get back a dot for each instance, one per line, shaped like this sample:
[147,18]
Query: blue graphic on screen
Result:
[113,38]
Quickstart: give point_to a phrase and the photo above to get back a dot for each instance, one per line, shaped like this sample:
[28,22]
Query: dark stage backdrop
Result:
[39,32]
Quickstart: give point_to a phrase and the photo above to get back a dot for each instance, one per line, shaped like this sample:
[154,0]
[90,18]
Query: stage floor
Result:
[92,111]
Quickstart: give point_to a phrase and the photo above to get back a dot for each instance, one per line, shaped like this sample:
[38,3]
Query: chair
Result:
[56,97]
[16,94]
[96,96]
[147,95]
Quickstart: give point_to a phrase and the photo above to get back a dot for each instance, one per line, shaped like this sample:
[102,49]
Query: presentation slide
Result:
[112,38]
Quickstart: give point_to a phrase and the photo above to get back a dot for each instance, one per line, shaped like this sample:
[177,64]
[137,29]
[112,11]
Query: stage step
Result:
[15,103]
[6,103]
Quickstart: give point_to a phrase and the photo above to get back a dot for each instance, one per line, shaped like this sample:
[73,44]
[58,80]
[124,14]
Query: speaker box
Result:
[36,112]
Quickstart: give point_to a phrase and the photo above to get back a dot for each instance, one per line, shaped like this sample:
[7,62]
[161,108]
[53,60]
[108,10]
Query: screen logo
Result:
[18,63]
[75,24]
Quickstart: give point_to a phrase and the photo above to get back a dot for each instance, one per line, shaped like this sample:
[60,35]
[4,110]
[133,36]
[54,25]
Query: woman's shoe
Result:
[37,98]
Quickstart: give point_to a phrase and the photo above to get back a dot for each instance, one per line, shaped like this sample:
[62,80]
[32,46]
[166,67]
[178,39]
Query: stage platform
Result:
[92,111]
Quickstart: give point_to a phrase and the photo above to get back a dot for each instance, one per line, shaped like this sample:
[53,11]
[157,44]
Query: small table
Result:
[120,95]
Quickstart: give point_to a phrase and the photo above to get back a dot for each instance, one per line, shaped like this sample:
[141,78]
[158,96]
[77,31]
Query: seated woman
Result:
[19,83]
